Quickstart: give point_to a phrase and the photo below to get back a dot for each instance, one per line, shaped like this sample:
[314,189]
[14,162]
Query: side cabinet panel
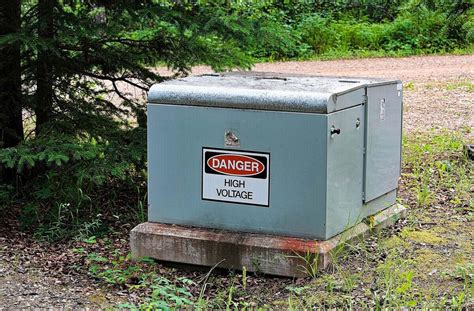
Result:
[344,169]
[383,140]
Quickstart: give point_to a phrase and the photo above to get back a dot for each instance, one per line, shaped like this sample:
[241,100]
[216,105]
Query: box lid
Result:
[265,91]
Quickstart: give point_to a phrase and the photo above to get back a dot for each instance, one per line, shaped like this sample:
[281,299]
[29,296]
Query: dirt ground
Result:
[438,93]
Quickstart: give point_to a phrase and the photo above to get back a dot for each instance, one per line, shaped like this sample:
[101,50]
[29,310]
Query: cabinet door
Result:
[382,140]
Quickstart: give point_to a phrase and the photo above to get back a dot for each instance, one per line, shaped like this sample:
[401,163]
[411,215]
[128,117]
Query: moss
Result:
[393,242]
[324,299]
[423,236]
[281,303]
[460,259]
[429,258]
[99,299]
[428,264]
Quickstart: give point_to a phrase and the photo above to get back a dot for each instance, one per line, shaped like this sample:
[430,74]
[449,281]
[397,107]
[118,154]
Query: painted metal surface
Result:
[383,139]
[297,176]
[344,170]
[264,91]
[315,130]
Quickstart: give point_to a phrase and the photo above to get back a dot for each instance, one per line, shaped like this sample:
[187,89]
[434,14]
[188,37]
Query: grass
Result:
[463,85]
[356,54]
[468,86]
[424,263]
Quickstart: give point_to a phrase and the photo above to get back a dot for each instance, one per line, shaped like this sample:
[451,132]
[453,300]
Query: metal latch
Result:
[335,131]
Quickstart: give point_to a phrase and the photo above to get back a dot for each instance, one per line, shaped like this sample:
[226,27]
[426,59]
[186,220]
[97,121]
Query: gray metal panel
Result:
[347,100]
[383,140]
[344,169]
[262,91]
[378,204]
[297,170]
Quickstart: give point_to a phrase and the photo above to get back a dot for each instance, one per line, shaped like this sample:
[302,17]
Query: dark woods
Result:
[73,116]
[11,131]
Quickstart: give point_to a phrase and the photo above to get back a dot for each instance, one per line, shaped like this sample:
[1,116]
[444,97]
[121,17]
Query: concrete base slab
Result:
[277,255]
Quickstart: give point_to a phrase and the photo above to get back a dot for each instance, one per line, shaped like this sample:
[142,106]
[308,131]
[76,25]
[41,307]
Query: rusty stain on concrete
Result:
[269,254]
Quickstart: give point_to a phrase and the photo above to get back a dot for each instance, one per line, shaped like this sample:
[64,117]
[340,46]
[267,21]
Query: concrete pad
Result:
[277,255]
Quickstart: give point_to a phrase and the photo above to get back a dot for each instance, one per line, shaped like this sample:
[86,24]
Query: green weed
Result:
[436,163]
[141,207]
[457,301]
[410,86]
[464,273]
[310,262]
[395,285]
[244,277]
[423,195]
[119,271]
[297,290]
[464,85]
[165,296]
[229,302]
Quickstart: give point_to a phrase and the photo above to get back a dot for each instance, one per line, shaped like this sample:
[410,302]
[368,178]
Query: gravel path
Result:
[439,93]
[439,90]
[37,275]
[22,289]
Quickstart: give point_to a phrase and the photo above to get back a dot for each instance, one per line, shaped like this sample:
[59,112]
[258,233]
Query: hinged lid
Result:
[265,91]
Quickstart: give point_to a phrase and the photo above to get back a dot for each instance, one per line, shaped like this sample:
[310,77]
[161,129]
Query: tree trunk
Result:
[11,123]
[44,70]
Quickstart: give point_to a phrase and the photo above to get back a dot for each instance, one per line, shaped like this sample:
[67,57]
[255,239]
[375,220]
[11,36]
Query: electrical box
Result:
[291,155]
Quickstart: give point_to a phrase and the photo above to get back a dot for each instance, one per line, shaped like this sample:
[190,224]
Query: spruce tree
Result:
[11,127]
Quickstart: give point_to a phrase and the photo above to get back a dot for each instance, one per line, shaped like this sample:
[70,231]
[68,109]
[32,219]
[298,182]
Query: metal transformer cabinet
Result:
[290,155]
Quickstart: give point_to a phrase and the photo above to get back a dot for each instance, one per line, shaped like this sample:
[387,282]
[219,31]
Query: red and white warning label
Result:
[236,176]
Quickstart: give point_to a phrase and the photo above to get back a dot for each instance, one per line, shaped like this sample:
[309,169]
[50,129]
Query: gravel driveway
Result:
[439,93]
[439,90]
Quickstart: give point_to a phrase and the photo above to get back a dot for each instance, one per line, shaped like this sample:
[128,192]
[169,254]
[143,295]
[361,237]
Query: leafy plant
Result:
[82,171]
[464,273]
[423,195]
[395,285]
[164,296]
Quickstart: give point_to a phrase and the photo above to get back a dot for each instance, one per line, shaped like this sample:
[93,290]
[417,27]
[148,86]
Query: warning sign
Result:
[236,176]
